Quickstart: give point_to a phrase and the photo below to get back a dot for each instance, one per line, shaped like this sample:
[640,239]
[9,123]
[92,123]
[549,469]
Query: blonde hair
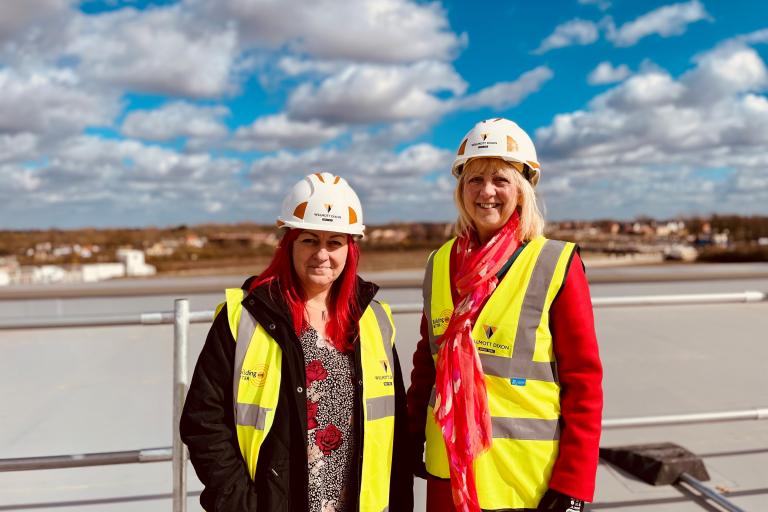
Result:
[531,218]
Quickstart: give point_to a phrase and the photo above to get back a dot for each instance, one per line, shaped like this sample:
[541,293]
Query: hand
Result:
[556,502]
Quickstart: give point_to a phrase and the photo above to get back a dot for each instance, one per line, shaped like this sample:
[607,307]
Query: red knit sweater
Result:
[580,373]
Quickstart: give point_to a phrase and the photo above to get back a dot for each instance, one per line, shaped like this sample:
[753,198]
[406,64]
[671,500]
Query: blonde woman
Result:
[506,386]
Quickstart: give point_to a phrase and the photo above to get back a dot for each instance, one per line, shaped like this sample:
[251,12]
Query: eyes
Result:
[310,241]
[480,180]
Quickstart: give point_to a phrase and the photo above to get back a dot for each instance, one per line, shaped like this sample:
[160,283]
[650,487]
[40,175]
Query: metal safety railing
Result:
[181,318]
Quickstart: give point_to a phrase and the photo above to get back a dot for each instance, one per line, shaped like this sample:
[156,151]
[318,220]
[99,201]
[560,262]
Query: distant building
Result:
[159,249]
[387,235]
[131,264]
[92,272]
[195,241]
[133,260]
[9,269]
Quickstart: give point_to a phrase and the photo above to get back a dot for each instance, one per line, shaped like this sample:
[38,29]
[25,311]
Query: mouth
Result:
[488,206]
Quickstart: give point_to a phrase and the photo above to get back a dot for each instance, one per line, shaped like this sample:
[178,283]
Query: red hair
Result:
[343,309]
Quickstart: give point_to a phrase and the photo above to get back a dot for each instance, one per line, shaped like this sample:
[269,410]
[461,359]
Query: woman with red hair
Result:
[297,401]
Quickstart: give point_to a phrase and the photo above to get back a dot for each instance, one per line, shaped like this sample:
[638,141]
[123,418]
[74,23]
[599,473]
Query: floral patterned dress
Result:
[330,433]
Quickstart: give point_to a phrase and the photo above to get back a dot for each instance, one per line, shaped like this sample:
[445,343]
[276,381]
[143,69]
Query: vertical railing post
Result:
[180,335]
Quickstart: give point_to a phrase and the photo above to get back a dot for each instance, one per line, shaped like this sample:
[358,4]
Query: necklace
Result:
[323,311]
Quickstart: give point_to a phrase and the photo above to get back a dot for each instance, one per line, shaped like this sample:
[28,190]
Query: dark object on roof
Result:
[656,463]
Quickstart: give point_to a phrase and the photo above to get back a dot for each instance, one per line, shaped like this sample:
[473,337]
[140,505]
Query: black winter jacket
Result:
[281,481]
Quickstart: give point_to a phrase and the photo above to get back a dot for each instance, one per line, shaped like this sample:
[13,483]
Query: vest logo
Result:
[328,207]
[385,365]
[491,345]
[255,377]
[441,322]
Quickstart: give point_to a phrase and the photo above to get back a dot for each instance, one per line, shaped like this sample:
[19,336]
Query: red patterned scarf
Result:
[461,406]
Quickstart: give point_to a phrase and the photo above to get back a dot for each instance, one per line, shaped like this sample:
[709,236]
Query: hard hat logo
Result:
[311,201]
[484,136]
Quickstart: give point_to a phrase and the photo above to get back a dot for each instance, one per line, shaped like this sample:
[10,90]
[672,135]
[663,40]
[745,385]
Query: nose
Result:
[322,254]
[487,189]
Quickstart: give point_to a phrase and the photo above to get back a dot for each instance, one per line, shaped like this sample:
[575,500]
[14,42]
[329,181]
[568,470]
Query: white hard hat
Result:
[498,138]
[323,202]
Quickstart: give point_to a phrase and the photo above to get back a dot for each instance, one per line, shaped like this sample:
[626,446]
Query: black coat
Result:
[281,481]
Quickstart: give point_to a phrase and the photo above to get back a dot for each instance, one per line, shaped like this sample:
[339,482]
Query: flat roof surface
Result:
[68,391]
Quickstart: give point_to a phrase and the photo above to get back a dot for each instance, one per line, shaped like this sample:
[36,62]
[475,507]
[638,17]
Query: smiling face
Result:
[319,258]
[489,197]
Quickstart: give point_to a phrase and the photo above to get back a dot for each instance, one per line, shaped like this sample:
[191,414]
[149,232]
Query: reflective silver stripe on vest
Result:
[426,293]
[525,429]
[382,406]
[385,328]
[251,415]
[507,368]
[521,365]
[245,330]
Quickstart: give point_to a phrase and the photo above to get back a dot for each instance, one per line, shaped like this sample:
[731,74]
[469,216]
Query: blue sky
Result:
[128,113]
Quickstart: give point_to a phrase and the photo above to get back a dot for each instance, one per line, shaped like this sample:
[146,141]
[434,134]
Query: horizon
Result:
[171,227]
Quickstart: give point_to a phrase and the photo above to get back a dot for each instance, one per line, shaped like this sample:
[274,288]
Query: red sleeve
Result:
[422,381]
[581,392]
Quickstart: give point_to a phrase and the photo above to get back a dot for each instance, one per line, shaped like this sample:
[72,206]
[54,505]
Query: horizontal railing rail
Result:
[167,317]
[164,454]
[86,459]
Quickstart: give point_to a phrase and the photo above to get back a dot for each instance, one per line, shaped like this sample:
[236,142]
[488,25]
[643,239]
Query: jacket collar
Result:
[270,297]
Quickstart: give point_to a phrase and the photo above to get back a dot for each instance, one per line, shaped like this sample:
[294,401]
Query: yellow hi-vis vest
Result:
[514,342]
[256,387]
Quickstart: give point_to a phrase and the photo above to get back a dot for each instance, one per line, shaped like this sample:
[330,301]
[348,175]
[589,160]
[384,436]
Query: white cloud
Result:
[504,95]
[648,89]
[605,73]
[669,20]
[365,94]
[51,102]
[729,69]
[275,132]
[758,36]
[94,181]
[644,142]
[174,120]
[18,147]
[294,66]
[383,31]
[162,51]
[601,4]
[29,16]
[374,93]
[570,33]
[391,185]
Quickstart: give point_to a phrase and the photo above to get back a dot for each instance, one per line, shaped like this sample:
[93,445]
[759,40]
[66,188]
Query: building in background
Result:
[130,263]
